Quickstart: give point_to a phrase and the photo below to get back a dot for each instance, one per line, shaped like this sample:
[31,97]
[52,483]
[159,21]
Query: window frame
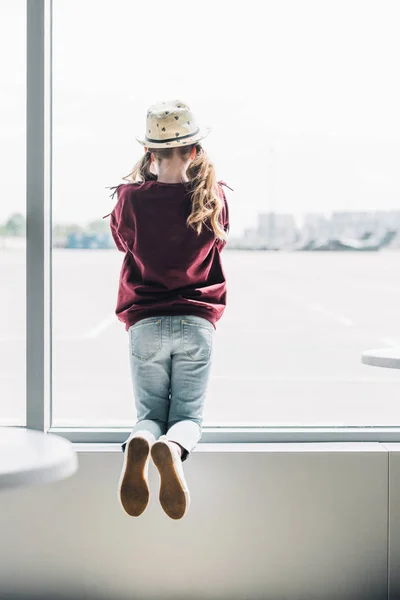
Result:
[39,275]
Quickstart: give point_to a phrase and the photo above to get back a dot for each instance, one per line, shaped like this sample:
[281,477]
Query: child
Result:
[171,221]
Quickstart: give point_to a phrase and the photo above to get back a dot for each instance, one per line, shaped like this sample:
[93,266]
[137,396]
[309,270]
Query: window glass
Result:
[304,109]
[12,211]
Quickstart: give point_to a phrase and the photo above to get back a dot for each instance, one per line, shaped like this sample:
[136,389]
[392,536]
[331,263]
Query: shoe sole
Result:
[133,489]
[173,498]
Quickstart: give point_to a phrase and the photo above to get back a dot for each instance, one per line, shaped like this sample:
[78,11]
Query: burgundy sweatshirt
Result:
[167,269]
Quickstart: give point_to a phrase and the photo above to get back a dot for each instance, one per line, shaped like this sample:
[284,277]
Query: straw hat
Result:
[171,124]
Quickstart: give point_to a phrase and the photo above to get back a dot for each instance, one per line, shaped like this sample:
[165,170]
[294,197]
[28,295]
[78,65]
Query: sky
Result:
[303,99]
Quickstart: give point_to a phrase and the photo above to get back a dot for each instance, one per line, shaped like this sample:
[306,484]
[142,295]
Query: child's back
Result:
[168,268]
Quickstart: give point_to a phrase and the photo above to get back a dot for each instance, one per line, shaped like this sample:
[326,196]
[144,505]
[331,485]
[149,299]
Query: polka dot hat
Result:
[171,124]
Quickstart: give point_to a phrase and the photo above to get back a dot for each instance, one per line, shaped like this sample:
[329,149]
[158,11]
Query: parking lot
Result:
[287,351]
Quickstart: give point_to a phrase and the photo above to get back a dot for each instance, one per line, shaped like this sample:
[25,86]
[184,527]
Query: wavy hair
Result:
[206,203]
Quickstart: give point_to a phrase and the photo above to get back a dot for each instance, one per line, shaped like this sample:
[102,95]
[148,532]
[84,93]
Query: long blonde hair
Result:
[206,204]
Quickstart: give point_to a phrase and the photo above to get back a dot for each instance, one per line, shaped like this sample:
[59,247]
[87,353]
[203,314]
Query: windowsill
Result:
[273,447]
[248,439]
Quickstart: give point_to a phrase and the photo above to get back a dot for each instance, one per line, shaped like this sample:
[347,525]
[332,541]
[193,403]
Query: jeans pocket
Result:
[146,339]
[196,340]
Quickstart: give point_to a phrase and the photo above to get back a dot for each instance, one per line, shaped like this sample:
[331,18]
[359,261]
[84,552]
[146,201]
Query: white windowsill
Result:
[274,447]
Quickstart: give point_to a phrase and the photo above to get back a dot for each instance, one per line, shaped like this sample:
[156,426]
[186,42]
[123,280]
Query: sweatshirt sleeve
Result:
[118,239]
[116,219]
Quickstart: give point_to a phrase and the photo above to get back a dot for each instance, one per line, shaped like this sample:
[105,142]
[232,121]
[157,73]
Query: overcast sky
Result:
[315,81]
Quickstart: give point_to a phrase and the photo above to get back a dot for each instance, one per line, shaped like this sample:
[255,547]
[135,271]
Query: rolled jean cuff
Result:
[155,428]
[185,433]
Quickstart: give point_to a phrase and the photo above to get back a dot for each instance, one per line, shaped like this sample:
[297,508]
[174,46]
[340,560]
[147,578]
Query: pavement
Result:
[287,350]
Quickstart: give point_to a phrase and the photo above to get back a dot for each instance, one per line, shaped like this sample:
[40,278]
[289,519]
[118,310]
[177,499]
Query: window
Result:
[12,212]
[305,130]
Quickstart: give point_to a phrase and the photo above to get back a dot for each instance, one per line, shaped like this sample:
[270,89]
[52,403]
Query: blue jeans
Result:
[170,359]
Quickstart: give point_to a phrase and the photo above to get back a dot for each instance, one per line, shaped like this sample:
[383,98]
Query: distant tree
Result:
[60,230]
[15,226]
[99,226]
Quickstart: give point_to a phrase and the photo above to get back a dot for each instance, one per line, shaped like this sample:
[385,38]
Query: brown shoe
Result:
[133,489]
[174,493]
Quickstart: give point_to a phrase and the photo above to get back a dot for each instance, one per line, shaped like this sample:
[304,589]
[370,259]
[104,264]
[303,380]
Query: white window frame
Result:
[39,274]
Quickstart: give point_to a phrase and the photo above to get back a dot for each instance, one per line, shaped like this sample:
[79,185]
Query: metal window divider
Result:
[38,213]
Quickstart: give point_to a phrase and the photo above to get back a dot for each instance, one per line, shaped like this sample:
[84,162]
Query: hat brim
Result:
[204,131]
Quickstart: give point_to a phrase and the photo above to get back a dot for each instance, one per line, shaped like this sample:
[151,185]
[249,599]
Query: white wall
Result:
[271,521]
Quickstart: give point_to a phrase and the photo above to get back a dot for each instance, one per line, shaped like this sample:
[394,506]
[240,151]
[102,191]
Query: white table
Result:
[383,357]
[28,457]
